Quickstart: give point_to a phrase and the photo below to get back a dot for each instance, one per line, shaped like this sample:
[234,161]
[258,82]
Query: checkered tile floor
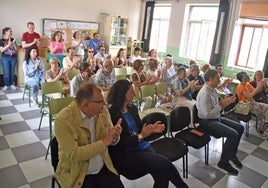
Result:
[23,147]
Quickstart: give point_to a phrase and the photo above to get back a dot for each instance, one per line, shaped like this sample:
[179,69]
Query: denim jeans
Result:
[35,87]
[9,64]
[227,128]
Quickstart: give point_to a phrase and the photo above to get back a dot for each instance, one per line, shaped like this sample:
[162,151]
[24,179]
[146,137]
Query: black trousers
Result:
[105,178]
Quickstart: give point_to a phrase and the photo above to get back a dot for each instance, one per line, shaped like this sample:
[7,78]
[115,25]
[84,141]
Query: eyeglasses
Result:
[99,102]
[90,51]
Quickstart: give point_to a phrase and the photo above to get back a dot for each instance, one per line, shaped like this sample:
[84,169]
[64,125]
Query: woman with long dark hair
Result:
[132,153]
[33,69]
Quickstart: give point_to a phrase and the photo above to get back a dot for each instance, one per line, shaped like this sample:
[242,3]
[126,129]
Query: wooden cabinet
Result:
[115,33]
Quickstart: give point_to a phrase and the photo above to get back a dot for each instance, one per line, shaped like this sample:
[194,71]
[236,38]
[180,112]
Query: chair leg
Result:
[186,166]
[247,128]
[206,153]
[41,118]
[23,93]
[53,182]
[29,97]
[50,134]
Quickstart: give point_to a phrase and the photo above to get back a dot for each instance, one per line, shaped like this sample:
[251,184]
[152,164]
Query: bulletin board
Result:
[68,27]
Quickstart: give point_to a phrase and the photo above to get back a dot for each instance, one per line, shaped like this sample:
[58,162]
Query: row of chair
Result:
[181,135]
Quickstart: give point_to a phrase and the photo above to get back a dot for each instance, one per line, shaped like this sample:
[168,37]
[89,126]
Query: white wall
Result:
[16,13]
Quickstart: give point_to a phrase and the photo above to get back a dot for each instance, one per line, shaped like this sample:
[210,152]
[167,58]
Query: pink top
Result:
[60,48]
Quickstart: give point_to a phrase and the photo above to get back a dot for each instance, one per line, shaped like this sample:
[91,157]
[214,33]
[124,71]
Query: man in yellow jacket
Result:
[84,131]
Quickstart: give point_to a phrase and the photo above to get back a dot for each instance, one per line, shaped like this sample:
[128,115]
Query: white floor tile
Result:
[193,182]
[21,138]
[34,123]
[229,182]
[256,164]
[15,95]
[4,103]
[7,158]
[10,118]
[25,107]
[42,168]
[264,145]
[246,146]
[24,186]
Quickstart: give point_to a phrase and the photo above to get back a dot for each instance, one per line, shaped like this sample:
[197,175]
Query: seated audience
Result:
[106,77]
[168,71]
[100,57]
[183,89]
[135,56]
[223,86]
[153,75]
[209,112]
[153,54]
[71,60]
[205,68]
[57,47]
[121,58]
[84,131]
[245,92]
[138,76]
[195,75]
[133,154]
[34,70]
[56,74]
[84,76]
[263,95]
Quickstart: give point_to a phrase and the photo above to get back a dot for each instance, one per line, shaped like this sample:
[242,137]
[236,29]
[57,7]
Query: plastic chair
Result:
[72,73]
[148,91]
[180,119]
[54,107]
[29,89]
[172,148]
[49,90]
[120,73]
[161,88]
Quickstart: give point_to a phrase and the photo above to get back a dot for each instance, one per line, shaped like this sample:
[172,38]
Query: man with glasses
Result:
[84,131]
[96,42]
[101,56]
[84,76]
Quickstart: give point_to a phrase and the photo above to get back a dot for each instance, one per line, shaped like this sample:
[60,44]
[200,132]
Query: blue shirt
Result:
[133,130]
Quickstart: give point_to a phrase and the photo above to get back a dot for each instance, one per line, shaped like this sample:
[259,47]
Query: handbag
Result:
[242,107]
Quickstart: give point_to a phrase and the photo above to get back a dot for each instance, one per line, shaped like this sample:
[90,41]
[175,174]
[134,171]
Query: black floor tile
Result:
[29,151]
[14,127]
[12,177]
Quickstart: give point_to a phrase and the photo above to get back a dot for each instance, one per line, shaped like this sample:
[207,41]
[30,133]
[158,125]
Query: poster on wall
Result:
[68,27]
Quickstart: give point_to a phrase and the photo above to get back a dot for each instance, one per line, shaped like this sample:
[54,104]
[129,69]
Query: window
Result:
[160,27]
[249,44]
[200,30]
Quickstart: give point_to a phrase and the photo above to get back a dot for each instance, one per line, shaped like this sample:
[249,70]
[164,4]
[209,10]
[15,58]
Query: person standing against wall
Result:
[30,38]
[8,49]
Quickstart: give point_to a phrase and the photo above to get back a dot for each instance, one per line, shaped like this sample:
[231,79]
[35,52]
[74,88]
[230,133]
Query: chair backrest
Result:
[147,90]
[54,153]
[51,87]
[72,73]
[120,71]
[161,88]
[195,115]
[56,105]
[180,118]
[151,119]
[130,70]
